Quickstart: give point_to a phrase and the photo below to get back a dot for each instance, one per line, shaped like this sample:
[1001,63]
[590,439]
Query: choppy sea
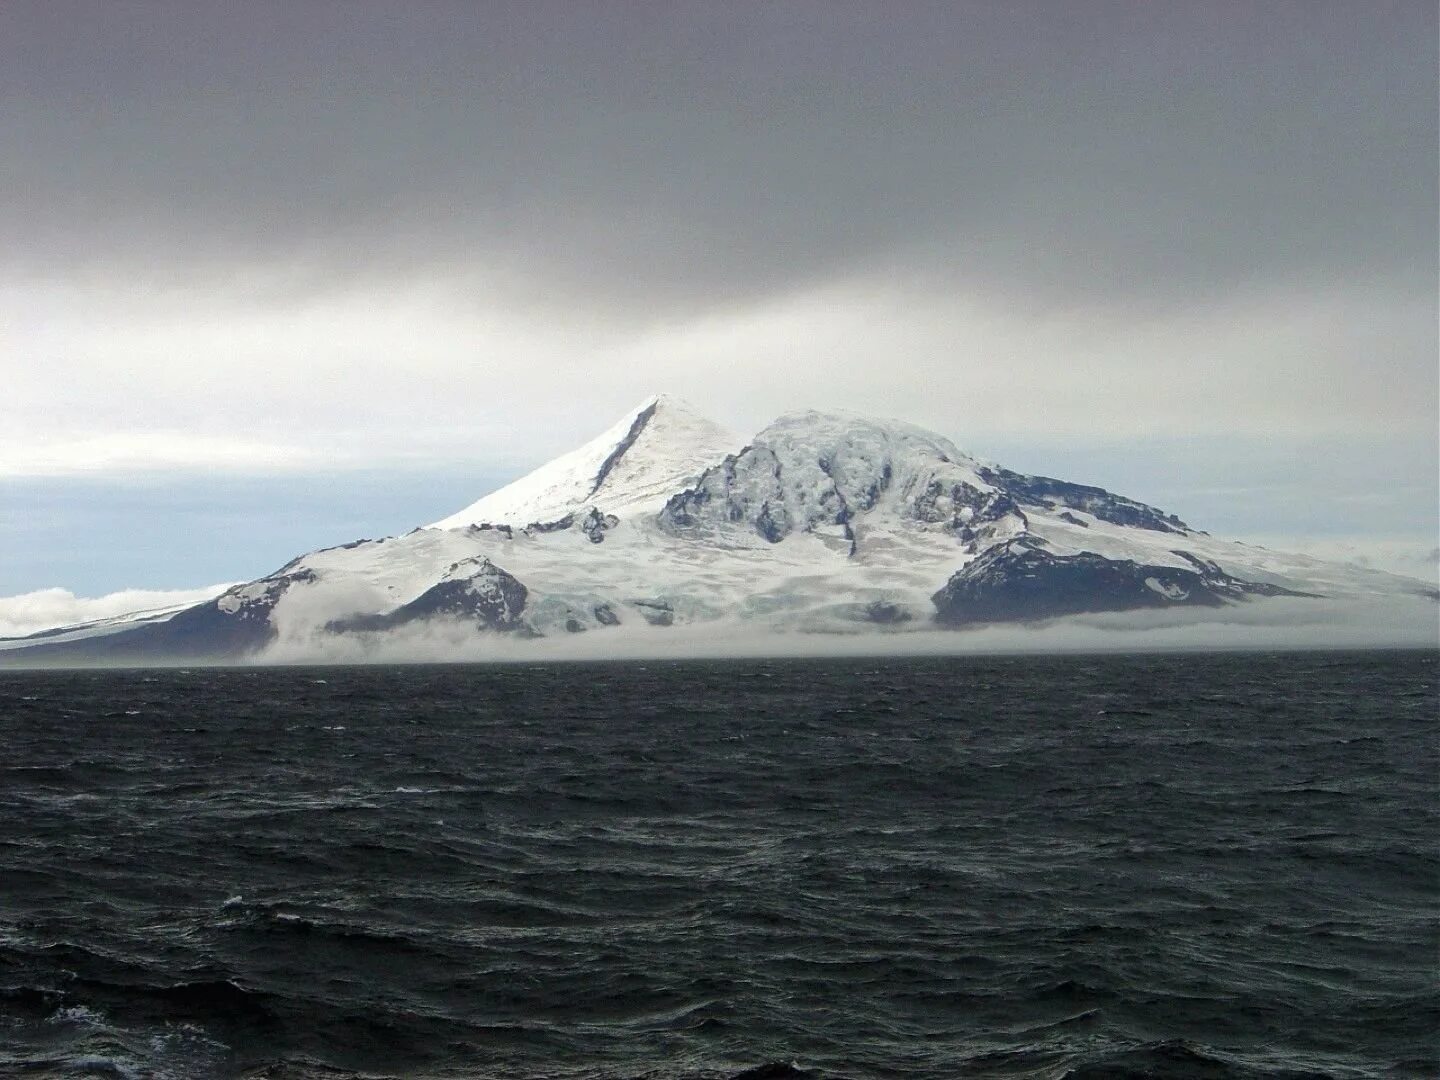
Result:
[1101,866]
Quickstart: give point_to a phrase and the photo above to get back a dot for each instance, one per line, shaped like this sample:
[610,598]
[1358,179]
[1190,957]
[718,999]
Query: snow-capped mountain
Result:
[822,522]
[631,468]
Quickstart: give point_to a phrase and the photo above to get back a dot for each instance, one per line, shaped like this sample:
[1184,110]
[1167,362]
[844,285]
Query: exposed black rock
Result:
[558,525]
[1019,582]
[605,615]
[1047,492]
[479,592]
[594,525]
[752,486]
[749,487]
[656,612]
[504,530]
[689,508]
[886,614]
[623,446]
[744,487]
[962,508]
[772,522]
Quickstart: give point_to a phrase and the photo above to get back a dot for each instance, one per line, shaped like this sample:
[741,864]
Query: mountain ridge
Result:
[823,522]
[670,435]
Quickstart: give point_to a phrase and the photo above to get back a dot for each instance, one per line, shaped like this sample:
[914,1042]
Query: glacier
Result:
[822,525]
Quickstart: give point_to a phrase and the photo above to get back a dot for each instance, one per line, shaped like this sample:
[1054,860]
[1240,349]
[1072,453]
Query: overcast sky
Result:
[275,276]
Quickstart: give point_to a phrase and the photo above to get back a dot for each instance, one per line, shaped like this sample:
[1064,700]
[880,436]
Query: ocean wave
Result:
[702,871]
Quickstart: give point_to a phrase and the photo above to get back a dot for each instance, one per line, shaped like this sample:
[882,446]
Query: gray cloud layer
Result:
[269,235]
[675,155]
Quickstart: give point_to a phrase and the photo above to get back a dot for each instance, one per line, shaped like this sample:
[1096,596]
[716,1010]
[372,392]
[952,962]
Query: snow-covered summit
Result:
[657,448]
[834,427]
[825,472]
[863,456]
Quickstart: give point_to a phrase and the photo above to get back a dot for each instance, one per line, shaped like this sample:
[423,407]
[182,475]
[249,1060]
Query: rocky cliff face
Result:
[1020,581]
[819,472]
[475,592]
[1050,494]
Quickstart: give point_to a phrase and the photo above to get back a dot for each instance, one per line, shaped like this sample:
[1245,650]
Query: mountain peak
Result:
[660,444]
[838,426]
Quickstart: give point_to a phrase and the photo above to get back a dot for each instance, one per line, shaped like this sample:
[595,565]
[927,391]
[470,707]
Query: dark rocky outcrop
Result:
[476,591]
[754,487]
[506,531]
[745,487]
[234,625]
[971,514]
[1019,581]
[642,418]
[594,525]
[886,614]
[1049,493]
[656,612]
[827,481]
[539,528]
[773,523]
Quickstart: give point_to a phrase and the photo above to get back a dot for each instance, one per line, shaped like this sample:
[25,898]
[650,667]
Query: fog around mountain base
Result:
[1403,622]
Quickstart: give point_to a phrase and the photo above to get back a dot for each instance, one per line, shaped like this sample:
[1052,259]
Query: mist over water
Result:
[1387,622]
[1183,865]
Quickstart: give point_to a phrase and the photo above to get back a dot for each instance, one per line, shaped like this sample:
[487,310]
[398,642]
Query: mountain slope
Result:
[639,462]
[822,523]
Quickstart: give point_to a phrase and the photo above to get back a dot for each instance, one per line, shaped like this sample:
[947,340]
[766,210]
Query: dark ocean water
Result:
[1206,865]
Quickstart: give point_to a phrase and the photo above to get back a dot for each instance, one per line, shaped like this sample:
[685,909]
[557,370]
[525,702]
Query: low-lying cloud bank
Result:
[46,609]
[1406,556]
[1404,622]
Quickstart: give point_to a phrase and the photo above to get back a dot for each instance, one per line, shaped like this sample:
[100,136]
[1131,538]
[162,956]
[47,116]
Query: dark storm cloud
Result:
[672,156]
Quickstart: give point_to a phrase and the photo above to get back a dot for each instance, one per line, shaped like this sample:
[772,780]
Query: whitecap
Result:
[78,1014]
